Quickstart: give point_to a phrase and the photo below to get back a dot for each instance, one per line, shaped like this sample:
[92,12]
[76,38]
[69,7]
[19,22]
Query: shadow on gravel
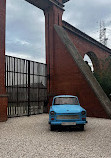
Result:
[68,129]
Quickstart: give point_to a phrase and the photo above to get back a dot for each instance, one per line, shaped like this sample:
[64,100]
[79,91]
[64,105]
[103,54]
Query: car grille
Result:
[67,117]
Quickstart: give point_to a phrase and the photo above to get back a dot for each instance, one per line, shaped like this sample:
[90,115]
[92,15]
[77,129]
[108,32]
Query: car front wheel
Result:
[52,127]
[81,127]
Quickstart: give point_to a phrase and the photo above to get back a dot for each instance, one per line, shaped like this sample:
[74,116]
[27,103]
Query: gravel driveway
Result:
[30,137]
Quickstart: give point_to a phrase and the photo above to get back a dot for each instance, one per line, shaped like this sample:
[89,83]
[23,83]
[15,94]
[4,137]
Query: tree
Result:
[103,76]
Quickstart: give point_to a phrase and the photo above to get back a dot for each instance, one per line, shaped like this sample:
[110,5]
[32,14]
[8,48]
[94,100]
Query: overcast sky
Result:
[25,25]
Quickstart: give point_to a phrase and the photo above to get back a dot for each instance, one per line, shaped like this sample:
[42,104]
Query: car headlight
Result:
[52,112]
[83,112]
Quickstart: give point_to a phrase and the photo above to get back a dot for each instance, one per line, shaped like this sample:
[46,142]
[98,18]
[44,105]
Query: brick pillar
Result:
[3,96]
[53,15]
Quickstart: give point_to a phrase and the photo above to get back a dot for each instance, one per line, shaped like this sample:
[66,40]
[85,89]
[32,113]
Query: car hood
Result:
[67,108]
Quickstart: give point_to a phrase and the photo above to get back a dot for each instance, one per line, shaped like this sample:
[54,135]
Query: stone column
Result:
[3,96]
[53,15]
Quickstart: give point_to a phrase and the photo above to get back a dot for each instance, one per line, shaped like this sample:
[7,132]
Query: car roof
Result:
[58,96]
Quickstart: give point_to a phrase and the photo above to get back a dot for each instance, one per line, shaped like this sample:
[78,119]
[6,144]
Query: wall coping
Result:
[81,34]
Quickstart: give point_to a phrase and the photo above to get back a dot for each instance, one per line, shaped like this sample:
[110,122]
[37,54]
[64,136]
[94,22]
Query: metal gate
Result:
[26,86]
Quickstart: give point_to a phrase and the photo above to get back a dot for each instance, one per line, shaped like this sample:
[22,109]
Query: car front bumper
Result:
[61,122]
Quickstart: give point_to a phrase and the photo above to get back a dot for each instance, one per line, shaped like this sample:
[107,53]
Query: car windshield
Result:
[66,101]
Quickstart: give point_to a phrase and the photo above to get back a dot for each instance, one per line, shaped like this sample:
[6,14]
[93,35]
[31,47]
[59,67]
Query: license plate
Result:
[68,123]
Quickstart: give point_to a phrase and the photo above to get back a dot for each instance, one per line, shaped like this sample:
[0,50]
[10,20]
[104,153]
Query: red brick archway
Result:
[64,71]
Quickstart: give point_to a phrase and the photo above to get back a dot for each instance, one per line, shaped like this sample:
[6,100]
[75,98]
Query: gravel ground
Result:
[30,137]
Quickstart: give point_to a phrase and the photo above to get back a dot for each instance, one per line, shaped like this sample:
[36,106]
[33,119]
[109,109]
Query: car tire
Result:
[52,127]
[81,127]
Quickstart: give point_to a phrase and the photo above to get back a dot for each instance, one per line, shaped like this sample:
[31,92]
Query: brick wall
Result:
[68,79]
[64,76]
[84,46]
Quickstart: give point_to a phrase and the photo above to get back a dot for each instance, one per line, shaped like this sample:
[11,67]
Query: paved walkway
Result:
[30,137]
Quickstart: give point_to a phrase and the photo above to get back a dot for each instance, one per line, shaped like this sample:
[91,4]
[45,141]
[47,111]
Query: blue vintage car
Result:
[66,111]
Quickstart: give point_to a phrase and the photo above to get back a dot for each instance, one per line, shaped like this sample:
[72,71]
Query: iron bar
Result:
[26,86]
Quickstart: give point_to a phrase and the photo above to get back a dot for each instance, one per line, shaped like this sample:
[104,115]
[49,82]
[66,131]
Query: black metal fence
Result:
[26,86]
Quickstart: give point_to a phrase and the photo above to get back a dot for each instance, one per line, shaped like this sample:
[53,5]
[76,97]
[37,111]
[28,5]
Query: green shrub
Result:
[104,76]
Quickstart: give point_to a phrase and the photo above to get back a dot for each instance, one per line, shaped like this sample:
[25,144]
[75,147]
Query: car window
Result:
[66,100]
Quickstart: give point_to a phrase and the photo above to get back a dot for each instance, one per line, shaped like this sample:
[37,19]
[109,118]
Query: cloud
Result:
[25,24]
[25,29]
[86,15]
[27,56]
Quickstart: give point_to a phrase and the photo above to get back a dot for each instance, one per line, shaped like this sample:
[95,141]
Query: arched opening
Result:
[25,31]
[25,75]
[91,59]
[88,62]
